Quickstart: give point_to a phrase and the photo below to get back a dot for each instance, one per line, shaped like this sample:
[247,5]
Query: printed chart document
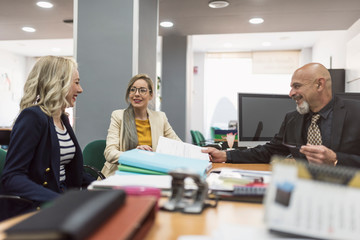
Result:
[314,201]
[181,149]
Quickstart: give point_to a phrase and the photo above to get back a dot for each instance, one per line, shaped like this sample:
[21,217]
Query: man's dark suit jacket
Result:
[345,137]
[32,165]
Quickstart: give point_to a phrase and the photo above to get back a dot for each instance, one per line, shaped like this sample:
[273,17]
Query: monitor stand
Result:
[251,144]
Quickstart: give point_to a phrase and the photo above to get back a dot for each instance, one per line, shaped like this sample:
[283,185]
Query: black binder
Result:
[74,215]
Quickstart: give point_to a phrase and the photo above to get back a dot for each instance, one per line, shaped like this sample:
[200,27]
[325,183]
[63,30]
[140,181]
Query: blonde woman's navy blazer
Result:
[32,165]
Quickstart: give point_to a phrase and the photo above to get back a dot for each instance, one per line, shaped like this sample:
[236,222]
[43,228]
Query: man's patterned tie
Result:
[314,135]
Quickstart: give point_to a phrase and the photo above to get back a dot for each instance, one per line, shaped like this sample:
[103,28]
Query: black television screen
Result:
[350,95]
[260,115]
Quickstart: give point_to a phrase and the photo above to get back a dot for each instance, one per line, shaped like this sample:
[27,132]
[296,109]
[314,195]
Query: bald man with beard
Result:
[338,124]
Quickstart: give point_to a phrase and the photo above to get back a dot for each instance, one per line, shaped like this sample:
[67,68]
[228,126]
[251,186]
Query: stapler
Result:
[180,199]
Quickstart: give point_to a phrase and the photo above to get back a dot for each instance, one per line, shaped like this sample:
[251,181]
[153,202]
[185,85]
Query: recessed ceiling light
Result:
[166,24]
[256,20]
[28,29]
[218,4]
[45,4]
[266,44]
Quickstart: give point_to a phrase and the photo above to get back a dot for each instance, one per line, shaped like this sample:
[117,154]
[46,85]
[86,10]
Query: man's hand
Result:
[319,154]
[144,147]
[215,155]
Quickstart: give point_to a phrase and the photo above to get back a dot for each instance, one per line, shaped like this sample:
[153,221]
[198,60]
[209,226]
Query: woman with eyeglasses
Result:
[136,126]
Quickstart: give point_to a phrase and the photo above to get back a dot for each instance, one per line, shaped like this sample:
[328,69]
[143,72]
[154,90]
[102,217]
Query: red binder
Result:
[131,221]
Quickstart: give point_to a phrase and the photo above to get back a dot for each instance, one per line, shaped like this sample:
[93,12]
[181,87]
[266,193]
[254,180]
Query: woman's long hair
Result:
[48,84]
[130,138]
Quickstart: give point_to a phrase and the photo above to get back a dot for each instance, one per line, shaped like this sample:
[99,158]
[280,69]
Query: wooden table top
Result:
[171,225]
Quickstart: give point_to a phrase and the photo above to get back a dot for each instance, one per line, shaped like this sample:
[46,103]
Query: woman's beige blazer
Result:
[159,125]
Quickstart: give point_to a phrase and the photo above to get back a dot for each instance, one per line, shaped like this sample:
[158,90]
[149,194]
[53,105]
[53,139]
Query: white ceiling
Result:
[289,24]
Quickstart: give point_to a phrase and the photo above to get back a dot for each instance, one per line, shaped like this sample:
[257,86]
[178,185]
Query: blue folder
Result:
[162,162]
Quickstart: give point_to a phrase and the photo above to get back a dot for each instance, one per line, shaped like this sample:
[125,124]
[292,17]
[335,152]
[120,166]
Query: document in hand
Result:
[74,215]
[162,162]
[316,201]
[181,149]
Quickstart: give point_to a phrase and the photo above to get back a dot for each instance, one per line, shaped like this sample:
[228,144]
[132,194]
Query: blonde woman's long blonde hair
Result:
[48,84]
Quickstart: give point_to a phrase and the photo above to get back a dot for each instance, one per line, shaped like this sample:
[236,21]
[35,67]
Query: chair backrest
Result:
[5,136]
[2,160]
[195,138]
[93,154]
[201,137]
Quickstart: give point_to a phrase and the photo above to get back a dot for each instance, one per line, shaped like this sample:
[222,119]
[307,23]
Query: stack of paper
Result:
[238,184]
[129,170]
[162,163]
[170,155]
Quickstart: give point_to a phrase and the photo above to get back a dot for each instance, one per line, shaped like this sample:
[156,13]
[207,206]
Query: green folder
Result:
[139,170]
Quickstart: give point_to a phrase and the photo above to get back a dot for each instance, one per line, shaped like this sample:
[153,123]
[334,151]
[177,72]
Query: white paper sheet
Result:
[177,148]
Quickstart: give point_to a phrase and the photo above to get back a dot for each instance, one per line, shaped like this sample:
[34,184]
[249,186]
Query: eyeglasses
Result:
[142,90]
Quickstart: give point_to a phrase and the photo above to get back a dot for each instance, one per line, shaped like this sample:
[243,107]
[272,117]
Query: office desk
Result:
[169,225]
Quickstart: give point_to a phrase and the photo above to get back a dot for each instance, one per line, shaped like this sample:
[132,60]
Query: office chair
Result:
[94,159]
[5,136]
[6,200]
[205,143]
[195,138]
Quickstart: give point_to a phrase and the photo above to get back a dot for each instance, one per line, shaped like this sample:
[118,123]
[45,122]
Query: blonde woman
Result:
[136,126]
[44,158]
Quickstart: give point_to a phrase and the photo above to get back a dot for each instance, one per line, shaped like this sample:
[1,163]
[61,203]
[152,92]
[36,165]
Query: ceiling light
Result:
[256,20]
[266,44]
[28,29]
[166,24]
[218,4]
[228,45]
[45,4]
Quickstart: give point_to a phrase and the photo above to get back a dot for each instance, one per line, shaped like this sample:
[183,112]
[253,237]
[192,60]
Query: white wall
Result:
[331,45]
[13,72]
[197,93]
[353,59]
[342,46]
[224,78]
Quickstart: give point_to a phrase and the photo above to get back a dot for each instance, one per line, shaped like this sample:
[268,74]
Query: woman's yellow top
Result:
[144,132]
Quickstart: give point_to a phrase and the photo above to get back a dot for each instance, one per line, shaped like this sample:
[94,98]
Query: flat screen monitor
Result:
[350,95]
[260,115]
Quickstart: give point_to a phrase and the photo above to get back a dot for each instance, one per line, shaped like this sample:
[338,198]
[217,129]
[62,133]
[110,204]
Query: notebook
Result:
[130,222]
[73,215]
